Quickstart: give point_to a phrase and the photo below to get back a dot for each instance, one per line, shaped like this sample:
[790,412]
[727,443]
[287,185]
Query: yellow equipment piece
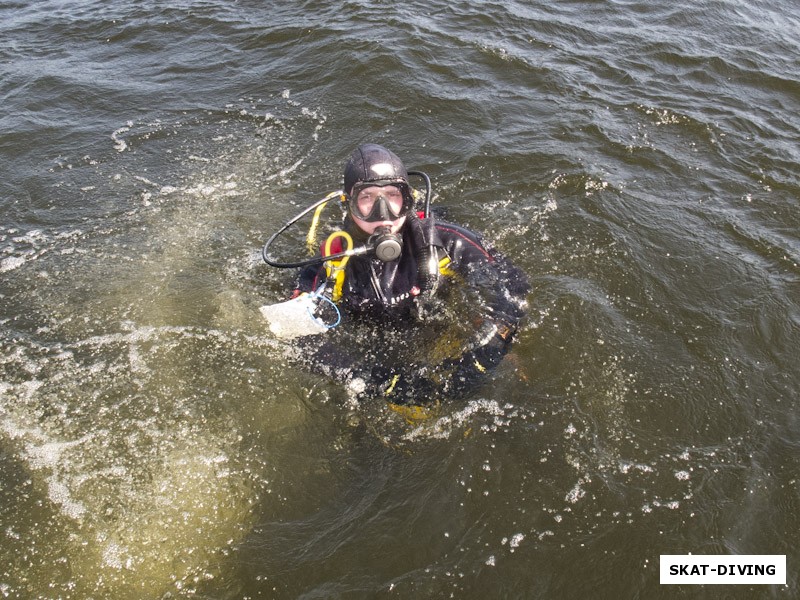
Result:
[414,414]
[311,236]
[335,268]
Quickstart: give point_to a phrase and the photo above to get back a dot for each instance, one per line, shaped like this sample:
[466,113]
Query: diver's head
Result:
[377,190]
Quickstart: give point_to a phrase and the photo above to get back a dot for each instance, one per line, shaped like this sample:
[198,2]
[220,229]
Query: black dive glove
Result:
[489,355]
[468,371]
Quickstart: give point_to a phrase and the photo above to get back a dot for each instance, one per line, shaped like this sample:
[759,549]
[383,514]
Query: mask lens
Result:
[378,203]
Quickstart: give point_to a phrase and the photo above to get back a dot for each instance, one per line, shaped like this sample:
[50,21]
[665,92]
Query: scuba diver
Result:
[401,271]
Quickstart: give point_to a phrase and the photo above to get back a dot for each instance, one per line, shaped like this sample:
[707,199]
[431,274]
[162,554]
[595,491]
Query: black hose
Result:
[317,260]
[428,191]
[427,257]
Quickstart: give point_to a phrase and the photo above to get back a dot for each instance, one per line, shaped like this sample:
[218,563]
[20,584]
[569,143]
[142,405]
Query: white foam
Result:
[119,144]
[11,263]
[576,493]
[442,427]
[44,454]
[59,494]
[286,171]
[516,540]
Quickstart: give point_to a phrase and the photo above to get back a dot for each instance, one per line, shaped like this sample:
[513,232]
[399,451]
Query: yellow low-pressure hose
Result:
[311,236]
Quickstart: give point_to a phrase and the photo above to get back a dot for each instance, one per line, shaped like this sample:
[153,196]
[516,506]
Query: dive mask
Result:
[372,202]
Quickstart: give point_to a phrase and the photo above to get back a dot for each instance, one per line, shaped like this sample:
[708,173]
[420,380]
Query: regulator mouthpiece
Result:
[387,245]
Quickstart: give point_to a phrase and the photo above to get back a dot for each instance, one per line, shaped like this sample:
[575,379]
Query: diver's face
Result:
[378,206]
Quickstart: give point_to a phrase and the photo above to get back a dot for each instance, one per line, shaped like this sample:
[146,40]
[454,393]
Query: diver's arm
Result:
[498,288]
[499,293]
[450,379]
[309,279]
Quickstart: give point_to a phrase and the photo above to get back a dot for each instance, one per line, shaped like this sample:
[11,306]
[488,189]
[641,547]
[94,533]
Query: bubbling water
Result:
[140,388]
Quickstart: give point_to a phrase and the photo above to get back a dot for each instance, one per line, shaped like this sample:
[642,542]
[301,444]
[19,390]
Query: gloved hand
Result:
[490,354]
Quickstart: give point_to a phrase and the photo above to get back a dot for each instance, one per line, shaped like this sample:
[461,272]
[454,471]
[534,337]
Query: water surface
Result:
[638,161]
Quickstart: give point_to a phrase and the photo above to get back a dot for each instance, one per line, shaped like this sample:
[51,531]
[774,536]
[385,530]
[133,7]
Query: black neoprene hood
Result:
[372,163]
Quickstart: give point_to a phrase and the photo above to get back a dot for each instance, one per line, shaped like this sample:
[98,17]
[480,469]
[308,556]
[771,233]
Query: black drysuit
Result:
[402,295]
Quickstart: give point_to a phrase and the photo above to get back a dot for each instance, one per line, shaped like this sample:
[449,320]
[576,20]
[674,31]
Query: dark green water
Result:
[639,162]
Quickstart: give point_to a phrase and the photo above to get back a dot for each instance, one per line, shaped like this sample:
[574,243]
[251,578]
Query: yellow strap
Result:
[335,268]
